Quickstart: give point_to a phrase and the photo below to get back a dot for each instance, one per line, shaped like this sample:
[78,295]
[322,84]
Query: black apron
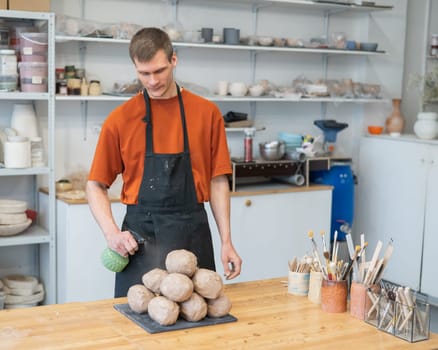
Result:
[168,215]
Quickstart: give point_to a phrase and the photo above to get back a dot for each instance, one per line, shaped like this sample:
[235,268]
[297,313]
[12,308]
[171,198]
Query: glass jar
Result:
[36,152]
[94,88]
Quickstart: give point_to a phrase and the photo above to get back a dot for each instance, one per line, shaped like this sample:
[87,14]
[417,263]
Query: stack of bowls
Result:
[292,141]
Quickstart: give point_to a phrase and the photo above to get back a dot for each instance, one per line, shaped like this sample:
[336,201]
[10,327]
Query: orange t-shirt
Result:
[121,145]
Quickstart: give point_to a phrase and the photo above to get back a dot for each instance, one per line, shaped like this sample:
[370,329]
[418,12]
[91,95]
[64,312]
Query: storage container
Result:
[33,47]
[8,82]
[4,37]
[8,62]
[33,76]
[14,37]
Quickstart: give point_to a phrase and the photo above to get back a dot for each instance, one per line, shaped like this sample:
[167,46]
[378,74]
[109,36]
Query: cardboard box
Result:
[30,5]
[3,4]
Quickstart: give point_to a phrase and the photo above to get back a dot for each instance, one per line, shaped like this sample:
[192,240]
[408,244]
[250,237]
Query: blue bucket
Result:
[342,180]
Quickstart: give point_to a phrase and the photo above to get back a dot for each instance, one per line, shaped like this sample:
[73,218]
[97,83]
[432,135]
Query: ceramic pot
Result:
[24,121]
[395,121]
[426,126]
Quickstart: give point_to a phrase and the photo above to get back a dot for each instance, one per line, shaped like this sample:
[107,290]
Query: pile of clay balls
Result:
[182,290]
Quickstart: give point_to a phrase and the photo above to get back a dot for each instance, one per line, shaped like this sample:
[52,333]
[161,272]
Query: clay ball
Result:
[193,309]
[218,307]
[181,261]
[152,279]
[163,311]
[177,287]
[207,283]
[139,297]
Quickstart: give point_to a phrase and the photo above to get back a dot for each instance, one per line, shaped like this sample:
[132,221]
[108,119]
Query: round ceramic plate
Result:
[10,230]
[11,206]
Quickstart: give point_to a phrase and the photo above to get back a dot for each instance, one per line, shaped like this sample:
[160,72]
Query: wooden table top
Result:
[268,318]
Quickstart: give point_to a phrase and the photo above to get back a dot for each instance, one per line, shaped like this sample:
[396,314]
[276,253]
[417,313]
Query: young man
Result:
[170,147]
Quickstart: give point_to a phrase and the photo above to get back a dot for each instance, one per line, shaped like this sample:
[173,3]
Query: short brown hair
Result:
[147,42]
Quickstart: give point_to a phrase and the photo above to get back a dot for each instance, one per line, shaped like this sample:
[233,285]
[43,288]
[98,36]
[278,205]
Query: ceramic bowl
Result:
[368,46]
[256,90]
[238,89]
[265,40]
[375,129]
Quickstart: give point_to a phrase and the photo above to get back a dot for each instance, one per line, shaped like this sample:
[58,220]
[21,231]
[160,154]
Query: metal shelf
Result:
[257,48]
[33,235]
[26,171]
[16,95]
[45,255]
[329,6]
[217,98]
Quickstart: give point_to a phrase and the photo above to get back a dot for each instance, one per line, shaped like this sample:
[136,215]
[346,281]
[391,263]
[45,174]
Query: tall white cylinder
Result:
[24,120]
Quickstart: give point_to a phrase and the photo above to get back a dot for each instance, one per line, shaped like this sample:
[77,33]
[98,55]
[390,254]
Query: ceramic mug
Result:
[231,36]
[207,34]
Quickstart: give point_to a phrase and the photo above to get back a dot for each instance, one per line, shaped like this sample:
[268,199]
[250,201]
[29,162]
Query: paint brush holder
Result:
[407,318]
[362,299]
[371,313]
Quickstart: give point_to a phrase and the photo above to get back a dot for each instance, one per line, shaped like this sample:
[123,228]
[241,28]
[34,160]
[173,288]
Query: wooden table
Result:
[268,318]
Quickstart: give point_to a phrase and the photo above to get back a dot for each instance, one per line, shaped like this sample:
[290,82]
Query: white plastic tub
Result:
[33,47]
[33,76]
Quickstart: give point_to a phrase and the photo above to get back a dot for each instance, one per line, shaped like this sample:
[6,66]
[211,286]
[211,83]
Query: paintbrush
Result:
[326,252]
[350,263]
[315,251]
[334,245]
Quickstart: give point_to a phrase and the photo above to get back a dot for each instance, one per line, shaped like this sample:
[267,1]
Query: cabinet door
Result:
[390,203]
[81,275]
[268,230]
[429,283]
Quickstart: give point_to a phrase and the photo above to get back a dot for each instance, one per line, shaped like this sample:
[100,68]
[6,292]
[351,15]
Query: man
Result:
[170,147]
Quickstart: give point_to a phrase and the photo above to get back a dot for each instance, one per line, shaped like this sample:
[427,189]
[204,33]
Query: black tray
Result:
[145,322]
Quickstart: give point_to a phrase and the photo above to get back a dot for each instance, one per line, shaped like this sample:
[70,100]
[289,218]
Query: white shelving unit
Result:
[40,237]
[327,9]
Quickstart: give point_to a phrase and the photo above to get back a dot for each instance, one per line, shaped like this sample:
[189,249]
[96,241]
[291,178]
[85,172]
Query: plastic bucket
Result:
[33,47]
[33,76]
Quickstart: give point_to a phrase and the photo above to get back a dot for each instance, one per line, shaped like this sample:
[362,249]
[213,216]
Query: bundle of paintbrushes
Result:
[305,265]
[331,267]
[369,272]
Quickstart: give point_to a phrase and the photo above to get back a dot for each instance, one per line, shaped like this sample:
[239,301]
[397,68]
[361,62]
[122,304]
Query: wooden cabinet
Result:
[268,230]
[397,198]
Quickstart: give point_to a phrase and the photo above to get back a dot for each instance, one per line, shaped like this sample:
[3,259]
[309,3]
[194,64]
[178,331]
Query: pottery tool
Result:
[351,252]
[373,262]
[362,241]
[350,263]
[334,244]
[326,252]
[407,309]
[386,257]
[315,251]
[293,264]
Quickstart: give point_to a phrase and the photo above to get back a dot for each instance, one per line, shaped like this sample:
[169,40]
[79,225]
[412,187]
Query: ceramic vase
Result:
[24,121]
[395,121]
[426,126]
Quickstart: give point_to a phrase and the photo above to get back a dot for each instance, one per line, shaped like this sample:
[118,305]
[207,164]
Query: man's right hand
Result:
[123,243]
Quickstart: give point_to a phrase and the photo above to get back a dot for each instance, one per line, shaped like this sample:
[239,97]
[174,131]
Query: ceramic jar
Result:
[24,121]
[426,126]
[395,122]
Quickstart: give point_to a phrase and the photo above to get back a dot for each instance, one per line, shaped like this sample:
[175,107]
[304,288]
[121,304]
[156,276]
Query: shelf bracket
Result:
[84,117]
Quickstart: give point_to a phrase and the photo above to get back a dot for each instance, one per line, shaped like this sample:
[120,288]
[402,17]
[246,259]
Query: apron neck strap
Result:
[148,119]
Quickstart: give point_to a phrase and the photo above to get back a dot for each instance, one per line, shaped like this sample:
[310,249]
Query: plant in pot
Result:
[427,85]
[426,126]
